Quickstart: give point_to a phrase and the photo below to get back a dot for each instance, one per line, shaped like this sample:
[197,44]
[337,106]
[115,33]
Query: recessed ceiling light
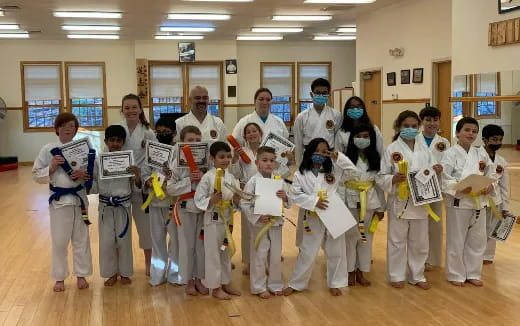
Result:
[277,29]
[14,35]
[87,14]
[302,18]
[94,36]
[200,16]
[346,30]
[186,29]
[340,1]
[90,28]
[334,38]
[179,37]
[259,38]
[9,26]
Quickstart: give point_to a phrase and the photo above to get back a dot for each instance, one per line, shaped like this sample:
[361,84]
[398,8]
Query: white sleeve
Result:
[248,206]
[40,171]
[177,185]
[448,181]
[504,189]
[299,196]
[379,141]
[386,173]
[238,132]
[339,146]
[298,139]
[203,194]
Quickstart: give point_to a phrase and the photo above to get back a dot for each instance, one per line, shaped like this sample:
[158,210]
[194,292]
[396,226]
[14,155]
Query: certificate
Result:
[337,217]
[200,154]
[280,145]
[115,164]
[502,228]
[477,182]
[76,153]
[266,202]
[424,193]
[158,155]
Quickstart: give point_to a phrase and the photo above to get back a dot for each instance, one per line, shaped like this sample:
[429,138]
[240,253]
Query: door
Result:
[372,96]
[443,87]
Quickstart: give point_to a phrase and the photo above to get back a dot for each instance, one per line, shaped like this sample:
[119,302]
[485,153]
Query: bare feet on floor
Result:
[246,269]
[229,290]
[288,291]
[111,281]
[278,293]
[147,260]
[220,294]
[264,295]
[397,285]
[200,287]
[455,283]
[191,289]
[423,285]
[351,278]
[82,283]
[126,280]
[360,278]
[335,292]
[59,286]
[475,282]
[487,262]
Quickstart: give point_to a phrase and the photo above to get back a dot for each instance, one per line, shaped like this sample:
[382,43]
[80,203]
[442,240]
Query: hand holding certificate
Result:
[280,145]
[424,187]
[76,153]
[267,202]
[116,164]
[477,183]
[158,155]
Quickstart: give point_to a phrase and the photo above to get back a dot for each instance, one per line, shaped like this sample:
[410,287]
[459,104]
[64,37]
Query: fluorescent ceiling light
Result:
[90,28]
[14,35]
[94,36]
[200,16]
[9,26]
[259,38]
[301,18]
[340,1]
[186,29]
[277,29]
[221,0]
[334,38]
[87,14]
[346,30]
[179,37]
[1,13]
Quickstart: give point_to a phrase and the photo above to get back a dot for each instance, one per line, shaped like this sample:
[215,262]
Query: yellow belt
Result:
[228,225]
[268,225]
[362,187]
[157,191]
[492,205]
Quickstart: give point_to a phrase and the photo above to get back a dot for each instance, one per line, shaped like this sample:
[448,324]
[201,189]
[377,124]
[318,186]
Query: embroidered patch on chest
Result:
[213,133]
[329,124]
[441,147]
[499,169]
[481,166]
[330,178]
[397,157]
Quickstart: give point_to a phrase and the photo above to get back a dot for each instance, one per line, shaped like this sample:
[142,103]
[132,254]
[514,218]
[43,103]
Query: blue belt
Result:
[116,201]
[58,192]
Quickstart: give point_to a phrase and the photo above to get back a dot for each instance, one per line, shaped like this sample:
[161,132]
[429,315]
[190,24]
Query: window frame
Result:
[293,78]
[25,106]
[68,108]
[184,99]
[311,63]
[497,113]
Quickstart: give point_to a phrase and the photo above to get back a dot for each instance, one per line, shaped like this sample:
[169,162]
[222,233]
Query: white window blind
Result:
[42,82]
[460,84]
[206,76]
[85,81]
[486,83]
[166,81]
[278,78]
[306,75]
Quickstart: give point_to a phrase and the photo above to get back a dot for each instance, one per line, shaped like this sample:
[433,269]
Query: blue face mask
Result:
[355,113]
[320,100]
[362,143]
[408,133]
[318,159]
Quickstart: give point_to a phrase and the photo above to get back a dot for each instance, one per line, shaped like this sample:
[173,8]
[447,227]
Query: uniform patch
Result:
[481,166]
[441,147]
[426,172]
[329,124]
[330,178]
[283,154]
[213,133]
[73,163]
[397,157]
[499,169]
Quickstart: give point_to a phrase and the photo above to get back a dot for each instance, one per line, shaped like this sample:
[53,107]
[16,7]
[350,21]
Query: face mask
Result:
[165,138]
[408,133]
[320,100]
[494,147]
[355,113]
[362,143]
[318,159]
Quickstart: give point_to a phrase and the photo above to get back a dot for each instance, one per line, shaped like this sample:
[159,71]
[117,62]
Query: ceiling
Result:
[141,19]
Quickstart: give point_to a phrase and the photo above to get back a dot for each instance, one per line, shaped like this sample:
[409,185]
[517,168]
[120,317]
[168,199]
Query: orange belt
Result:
[175,214]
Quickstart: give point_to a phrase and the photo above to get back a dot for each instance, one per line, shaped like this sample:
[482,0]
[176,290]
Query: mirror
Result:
[508,5]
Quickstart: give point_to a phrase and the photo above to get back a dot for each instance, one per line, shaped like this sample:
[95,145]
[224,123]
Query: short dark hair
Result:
[492,130]
[265,149]
[115,131]
[219,146]
[320,82]
[466,120]
[166,122]
[189,130]
[430,111]
[262,90]
[63,118]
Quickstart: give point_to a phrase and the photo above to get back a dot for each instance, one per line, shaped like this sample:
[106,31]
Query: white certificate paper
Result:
[477,182]
[266,201]
[115,164]
[502,228]
[280,145]
[424,193]
[76,153]
[337,217]
[158,155]
[200,154]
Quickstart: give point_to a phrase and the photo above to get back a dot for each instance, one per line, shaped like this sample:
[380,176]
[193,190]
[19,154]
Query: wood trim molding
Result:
[484,98]
[14,108]
[407,100]
[238,105]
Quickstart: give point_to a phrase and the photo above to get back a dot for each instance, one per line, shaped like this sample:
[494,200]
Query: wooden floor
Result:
[26,296]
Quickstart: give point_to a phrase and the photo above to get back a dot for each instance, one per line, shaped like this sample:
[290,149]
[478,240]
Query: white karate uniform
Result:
[359,253]
[407,238]
[305,194]
[115,253]
[465,225]
[273,124]
[212,128]
[267,257]
[500,195]
[438,147]
[136,141]
[217,258]
[165,255]
[65,219]
[191,246]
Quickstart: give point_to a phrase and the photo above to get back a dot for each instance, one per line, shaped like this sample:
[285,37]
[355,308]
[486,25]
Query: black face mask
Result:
[165,138]
[494,147]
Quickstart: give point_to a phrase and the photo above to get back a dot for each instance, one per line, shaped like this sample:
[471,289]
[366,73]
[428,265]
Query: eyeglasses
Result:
[321,93]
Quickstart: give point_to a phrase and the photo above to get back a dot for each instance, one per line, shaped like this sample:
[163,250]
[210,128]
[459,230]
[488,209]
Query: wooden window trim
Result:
[474,105]
[293,83]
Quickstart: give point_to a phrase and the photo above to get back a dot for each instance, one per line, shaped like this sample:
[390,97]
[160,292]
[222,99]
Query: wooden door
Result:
[372,97]
[443,87]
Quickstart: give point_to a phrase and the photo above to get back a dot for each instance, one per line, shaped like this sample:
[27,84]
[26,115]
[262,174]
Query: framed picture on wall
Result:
[405,76]
[186,51]
[390,78]
[231,67]
[418,75]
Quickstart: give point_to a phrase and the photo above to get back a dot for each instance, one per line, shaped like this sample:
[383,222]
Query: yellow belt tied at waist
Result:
[403,190]
[157,191]
[268,225]
[492,205]
[362,187]
[228,220]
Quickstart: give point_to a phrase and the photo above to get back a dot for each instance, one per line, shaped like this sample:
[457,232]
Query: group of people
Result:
[186,233]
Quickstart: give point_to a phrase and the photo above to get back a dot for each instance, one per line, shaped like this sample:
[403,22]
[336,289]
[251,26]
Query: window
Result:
[86,93]
[41,94]
[461,88]
[210,76]
[487,85]
[279,78]
[307,73]
[166,89]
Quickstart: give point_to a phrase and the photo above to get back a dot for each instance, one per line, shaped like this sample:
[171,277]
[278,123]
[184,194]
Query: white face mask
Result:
[362,143]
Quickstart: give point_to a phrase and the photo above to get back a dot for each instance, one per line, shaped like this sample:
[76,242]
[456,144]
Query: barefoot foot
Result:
[111,281]
[264,295]
[487,262]
[335,292]
[220,294]
[200,287]
[246,270]
[278,293]
[229,290]
[351,278]
[475,282]
[147,260]
[288,291]
[423,285]
[455,283]
[360,278]
[191,289]
[59,286]
[126,280]
[397,285]
[82,283]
